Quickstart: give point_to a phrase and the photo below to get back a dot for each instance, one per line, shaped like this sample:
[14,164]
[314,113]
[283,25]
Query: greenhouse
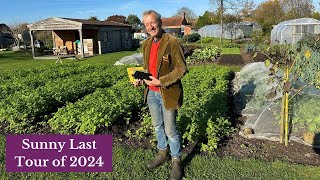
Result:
[231,30]
[291,31]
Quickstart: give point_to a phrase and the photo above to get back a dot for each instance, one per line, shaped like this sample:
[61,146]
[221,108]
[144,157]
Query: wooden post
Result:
[81,43]
[32,44]
[53,39]
[99,45]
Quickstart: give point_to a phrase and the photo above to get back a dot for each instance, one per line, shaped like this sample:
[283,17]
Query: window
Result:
[305,29]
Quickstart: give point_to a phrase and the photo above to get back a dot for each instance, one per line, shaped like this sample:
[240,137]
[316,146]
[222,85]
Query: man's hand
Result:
[154,81]
[137,82]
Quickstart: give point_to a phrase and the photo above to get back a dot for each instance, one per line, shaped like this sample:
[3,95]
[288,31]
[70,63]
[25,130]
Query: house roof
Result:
[184,21]
[173,21]
[56,23]
[91,22]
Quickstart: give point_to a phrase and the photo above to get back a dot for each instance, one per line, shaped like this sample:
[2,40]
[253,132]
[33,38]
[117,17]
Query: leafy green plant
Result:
[209,53]
[305,113]
[250,47]
[191,38]
[301,70]
[98,110]
[25,108]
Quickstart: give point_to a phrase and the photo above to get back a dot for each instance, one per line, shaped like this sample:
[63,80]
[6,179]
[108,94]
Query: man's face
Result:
[152,25]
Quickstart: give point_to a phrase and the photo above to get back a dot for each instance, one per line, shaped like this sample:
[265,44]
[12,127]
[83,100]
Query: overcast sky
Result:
[15,11]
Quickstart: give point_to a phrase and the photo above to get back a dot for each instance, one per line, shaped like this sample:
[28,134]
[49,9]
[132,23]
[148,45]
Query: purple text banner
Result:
[58,153]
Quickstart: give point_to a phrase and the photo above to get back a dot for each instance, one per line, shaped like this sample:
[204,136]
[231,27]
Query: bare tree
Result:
[190,15]
[297,8]
[223,6]
[247,9]
[16,30]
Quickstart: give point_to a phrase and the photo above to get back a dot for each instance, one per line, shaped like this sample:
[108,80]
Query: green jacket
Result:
[171,67]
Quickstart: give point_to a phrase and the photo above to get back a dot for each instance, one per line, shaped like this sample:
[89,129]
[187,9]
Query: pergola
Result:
[56,24]
[77,34]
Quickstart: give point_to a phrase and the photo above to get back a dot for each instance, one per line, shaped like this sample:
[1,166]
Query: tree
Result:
[297,8]
[247,9]
[45,37]
[16,30]
[134,21]
[206,19]
[316,15]
[93,18]
[117,18]
[190,15]
[269,13]
[222,6]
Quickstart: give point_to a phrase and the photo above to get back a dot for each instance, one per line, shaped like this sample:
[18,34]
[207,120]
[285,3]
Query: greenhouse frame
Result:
[231,30]
[291,31]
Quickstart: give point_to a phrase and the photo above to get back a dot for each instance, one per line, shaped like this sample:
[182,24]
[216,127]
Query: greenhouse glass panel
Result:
[312,29]
[291,31]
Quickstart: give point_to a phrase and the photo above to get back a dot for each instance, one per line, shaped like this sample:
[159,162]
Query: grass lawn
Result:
[128,163]
[207,41]
[12,60]
[230,51]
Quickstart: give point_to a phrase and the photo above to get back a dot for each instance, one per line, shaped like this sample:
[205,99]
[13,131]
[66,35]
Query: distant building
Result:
[291,31]
[177,26]
[85,37]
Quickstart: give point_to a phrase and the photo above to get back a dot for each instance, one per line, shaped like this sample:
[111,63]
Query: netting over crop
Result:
[252,86]
[231,30]
[291,31]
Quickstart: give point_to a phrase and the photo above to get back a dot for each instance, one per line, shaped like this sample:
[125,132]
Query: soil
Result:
[235,145]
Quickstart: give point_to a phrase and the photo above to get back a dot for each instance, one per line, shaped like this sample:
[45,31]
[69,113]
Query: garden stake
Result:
[287,110]
[282,118]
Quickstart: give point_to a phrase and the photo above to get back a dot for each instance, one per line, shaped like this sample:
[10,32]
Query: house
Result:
[177,26]
[84,37]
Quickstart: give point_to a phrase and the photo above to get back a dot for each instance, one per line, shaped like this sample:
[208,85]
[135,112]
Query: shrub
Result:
[191,37]
[311,40]
[209,53]
[206,40]
[250,47]
[257,37]
[188,50]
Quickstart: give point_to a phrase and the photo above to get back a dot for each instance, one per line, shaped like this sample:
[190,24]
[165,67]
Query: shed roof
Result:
[57,23]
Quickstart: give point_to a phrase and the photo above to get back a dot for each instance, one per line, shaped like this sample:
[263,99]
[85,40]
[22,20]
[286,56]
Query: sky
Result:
[18,11]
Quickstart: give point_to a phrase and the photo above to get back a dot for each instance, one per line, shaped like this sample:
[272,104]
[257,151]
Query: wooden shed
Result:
[84,37]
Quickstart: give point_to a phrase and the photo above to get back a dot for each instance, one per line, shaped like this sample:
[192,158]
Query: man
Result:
[164,60]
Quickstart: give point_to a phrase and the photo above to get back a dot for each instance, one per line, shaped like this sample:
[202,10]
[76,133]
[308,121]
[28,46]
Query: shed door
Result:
[117,38]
